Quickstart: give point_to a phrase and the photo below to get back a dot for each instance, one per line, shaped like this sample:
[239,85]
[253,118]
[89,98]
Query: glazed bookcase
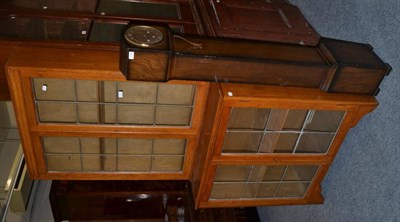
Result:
[265,145]
[93,124]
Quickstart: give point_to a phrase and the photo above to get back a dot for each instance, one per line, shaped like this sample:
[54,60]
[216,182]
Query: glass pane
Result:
[267,173]
[109,162]
[278,142]
[136,114]
[64,5]
[242,142]
[91,163]
[232,173]
[87,90]
[292,190]
[169,146]
[88,113]
[175,94]
[109,112]
[314,143]
[134,146]
[63,162]
[109,145]
[109,91]
[54,89]
[248,118]
[61,144]
[57,112]
[262,181]
[167,163]
[135,92]
[285,119]
[90,145]
[300,173]
[227,190]
[134,163]
[325,121]
[141,9]
[106,32]
[260,190]
[173,115]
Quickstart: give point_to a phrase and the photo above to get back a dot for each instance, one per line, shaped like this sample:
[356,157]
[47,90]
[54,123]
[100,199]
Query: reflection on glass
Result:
[81,154]
[106,32]
[242,142]
[259,130]
[248,118]
[314,143]
[325,121]
[262,181]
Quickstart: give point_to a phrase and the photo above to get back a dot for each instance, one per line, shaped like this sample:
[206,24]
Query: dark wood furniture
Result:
[135,201]
[97,24]
[239,141]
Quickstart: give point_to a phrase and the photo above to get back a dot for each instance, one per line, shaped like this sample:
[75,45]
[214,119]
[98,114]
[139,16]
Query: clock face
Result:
[144,36]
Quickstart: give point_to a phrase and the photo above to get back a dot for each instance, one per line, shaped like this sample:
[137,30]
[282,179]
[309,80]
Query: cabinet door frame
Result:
[20,80]
[239,95]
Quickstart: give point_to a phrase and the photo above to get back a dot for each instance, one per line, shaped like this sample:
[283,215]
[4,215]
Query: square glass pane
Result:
[88,113]
[109,145]
[109,90]
[108,113]
[173,115]
[175,94]
[136,114]
[91,163]
[167,163]
[134,146]
[260,190]
[63,162]
[248,118]
[87,90]
[300,173]
[325,121]
[137,92]
[169,146]
[61,144]
[278,142]
[109,162]
[266,173]
[57,112]
[232,173]
[54,89]
[314,143]
[242,142]
[141,9]
[227,190]
[106,32]
[292,189]
[134,163]
[285,119]
[90,145]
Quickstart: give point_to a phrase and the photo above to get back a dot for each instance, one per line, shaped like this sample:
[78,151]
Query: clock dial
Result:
[144,36]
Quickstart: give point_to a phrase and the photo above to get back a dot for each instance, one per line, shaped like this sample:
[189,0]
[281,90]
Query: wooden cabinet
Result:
[261,20]
[101,126]
[264,145]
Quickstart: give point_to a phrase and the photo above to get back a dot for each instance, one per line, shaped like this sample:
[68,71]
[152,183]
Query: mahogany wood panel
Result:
[261,20]
[326,66]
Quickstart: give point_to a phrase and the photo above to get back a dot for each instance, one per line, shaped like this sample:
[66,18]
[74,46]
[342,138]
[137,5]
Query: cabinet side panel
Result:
[207,139]
[16,90]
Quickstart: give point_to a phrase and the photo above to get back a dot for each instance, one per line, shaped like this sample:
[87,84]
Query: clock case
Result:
[148,63]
